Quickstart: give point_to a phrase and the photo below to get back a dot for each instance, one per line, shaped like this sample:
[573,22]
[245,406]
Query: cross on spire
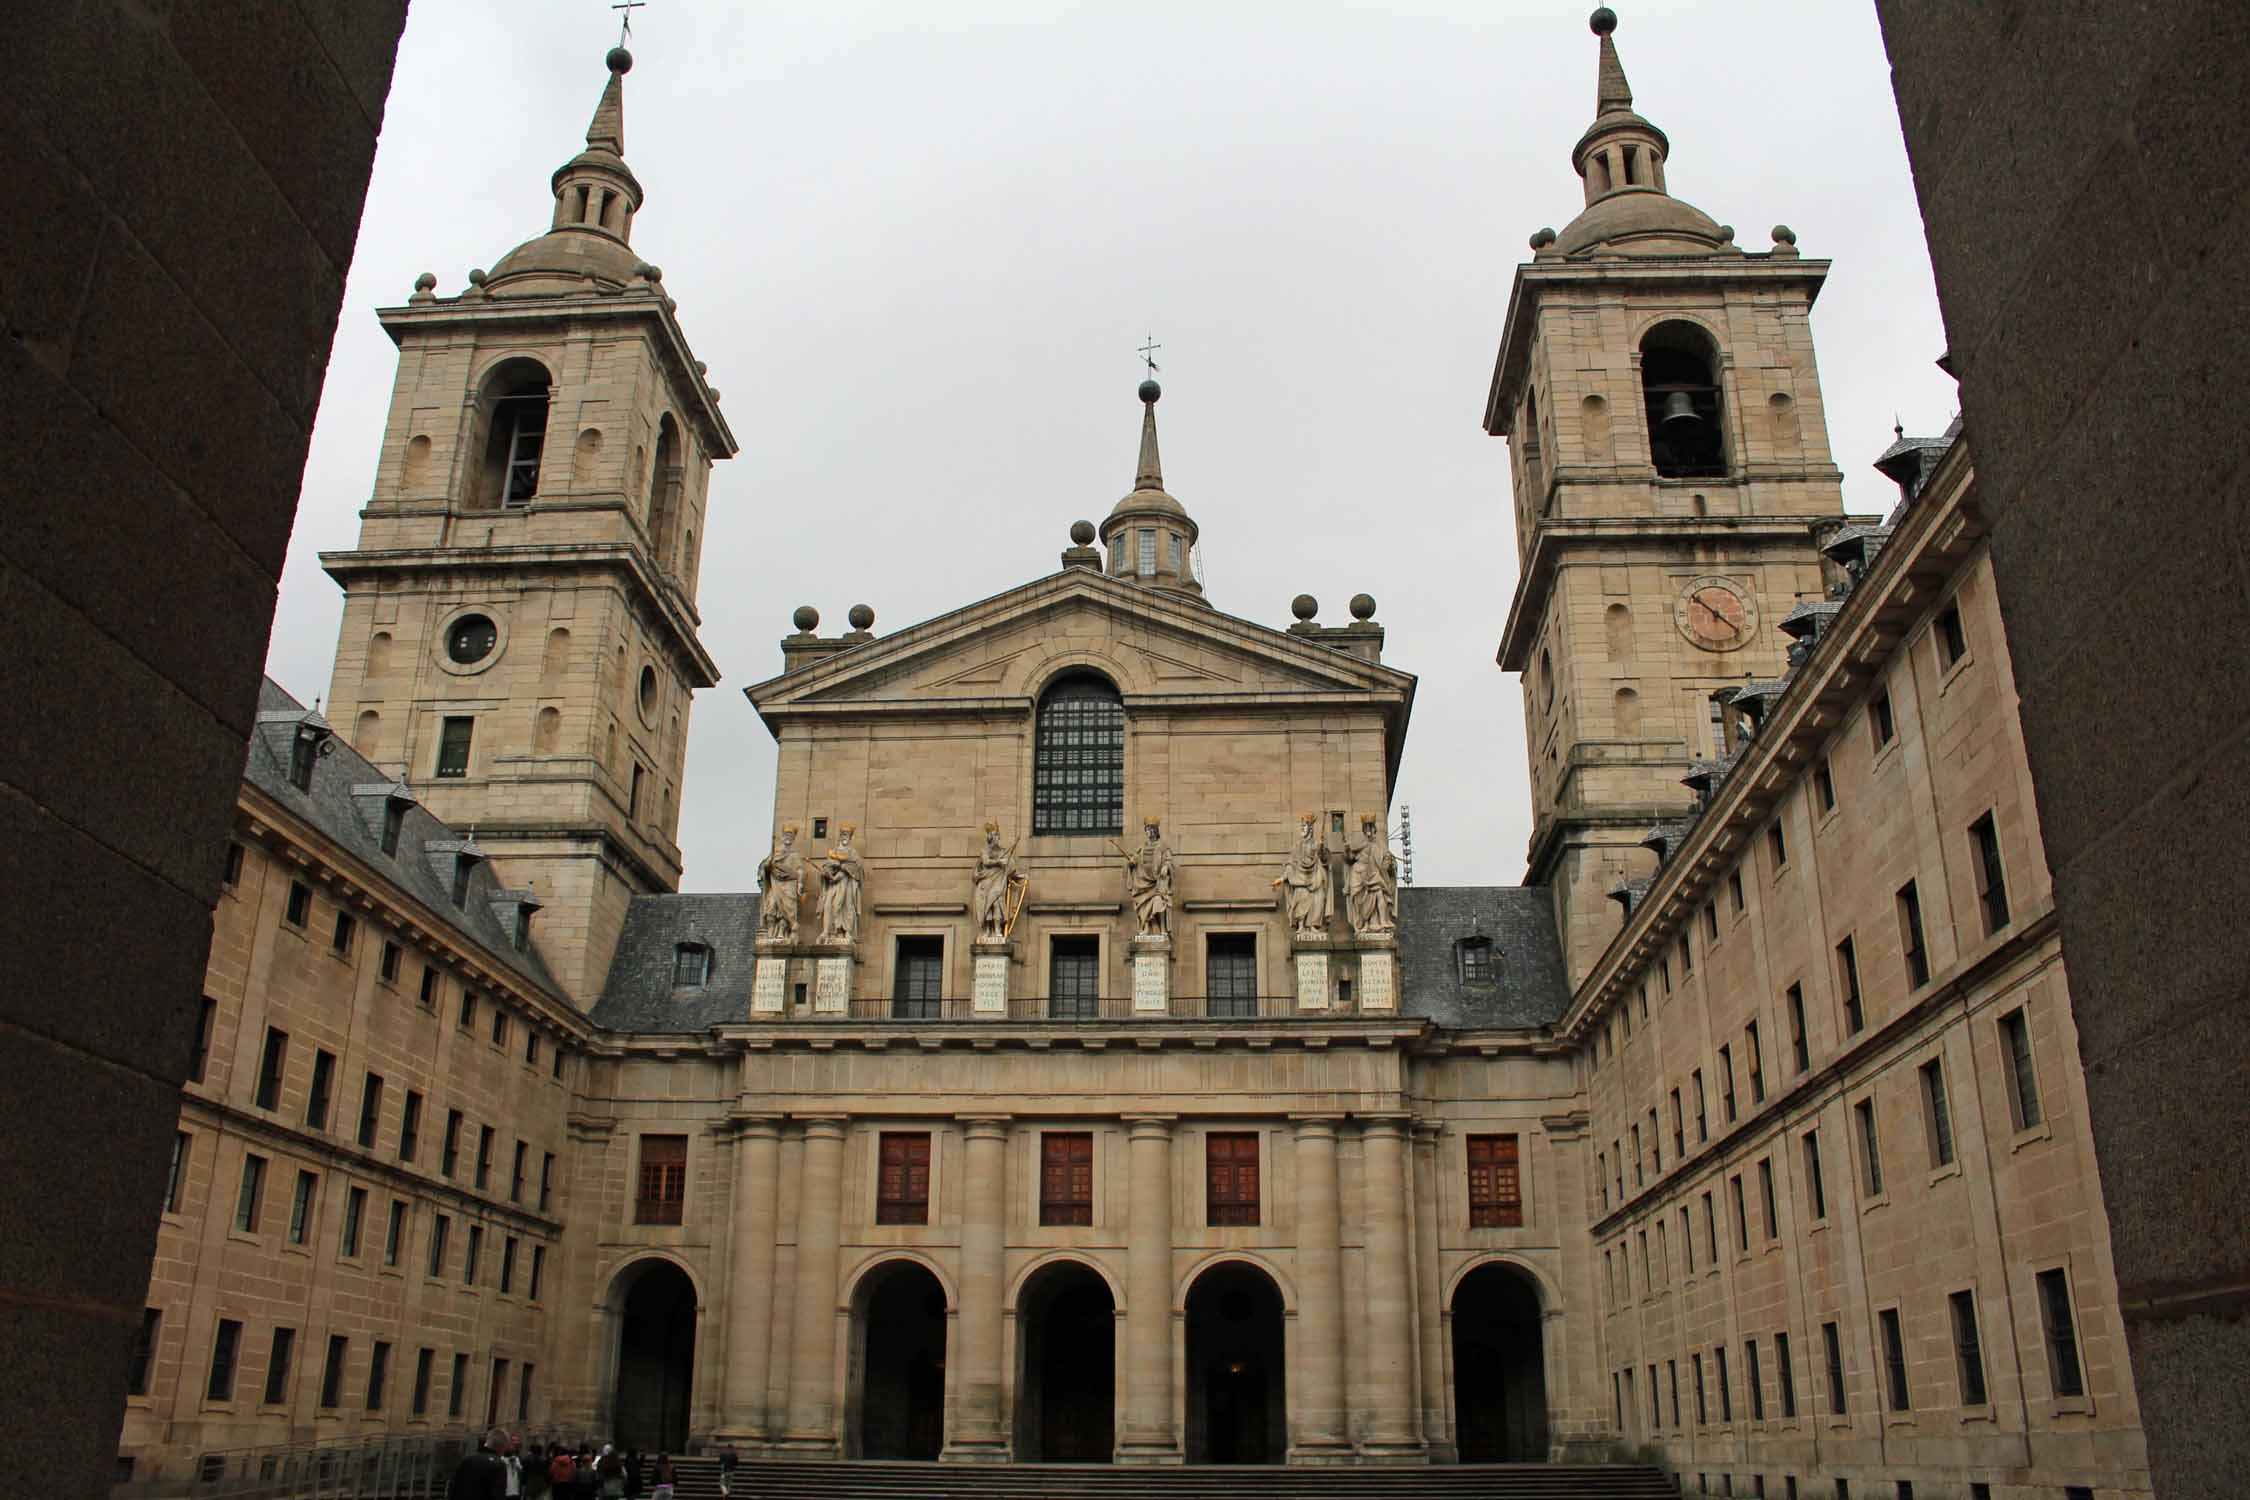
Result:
[626,9]
[1148,351]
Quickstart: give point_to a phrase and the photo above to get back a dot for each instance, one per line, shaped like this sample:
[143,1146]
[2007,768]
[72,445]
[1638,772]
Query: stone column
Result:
[1149,1435]
[1393,1428]
[977,1436]
[812,1348]
[1323,1428]
[1428,1294]
[749,1314]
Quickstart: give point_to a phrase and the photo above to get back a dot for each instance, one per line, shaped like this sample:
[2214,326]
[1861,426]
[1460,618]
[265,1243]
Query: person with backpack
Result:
[562,1473]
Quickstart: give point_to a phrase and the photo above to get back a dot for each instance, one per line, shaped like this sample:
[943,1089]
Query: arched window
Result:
[664,488]
[1681,391]
[514,400]
[1078,758]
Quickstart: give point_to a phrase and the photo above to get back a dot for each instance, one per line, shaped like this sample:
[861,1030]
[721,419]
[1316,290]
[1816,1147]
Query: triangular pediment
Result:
[1154,646]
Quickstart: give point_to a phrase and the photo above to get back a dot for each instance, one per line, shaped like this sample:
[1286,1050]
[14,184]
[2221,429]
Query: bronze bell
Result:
[1679,411]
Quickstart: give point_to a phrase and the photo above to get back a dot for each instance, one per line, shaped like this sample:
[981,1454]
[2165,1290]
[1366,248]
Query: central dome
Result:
[1641,221]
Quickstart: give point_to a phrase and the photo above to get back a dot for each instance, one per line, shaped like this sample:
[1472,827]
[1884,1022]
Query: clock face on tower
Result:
[1715,614]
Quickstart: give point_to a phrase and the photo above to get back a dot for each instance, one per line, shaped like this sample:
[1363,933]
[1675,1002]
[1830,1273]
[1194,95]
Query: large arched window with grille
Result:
[1078,758]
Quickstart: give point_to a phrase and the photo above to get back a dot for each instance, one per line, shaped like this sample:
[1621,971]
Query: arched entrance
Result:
[897,1391]
[1499,1368]
[656,1358]
[1236,1402]
[1066,1366]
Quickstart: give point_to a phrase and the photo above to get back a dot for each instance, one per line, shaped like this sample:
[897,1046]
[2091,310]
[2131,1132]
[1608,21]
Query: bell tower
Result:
[1670,466]
[520,632]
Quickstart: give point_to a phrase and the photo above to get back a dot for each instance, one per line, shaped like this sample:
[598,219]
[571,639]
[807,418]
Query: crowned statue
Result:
[1306,877]
[999,889]
[841,879]
[781,886]
[1148,880]
[1371,890]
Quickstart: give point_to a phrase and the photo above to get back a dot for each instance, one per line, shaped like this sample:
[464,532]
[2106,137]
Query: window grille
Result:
[918,987]
[1230,968]
[1074,983]
[1078,760]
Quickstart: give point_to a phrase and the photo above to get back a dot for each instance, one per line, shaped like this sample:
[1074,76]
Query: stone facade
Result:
[1586,1167]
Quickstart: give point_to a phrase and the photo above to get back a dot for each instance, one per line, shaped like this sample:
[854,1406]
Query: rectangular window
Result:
[332,1372]
[902,1180]
[1800,1044]
[1687,1241]
[1777,844]
[1230,1177]
[1754,1378]
[1833,1338]
[1638,1176]
[355,1211]
[1816,1190]
[661,1193]
[199,1059]
[2062,1334]
[918,982]
[270,1065]
[531,1044]
[458,1395]
[538,1272]
[410,1126]
[1655,1401]
[144,1352]
[253,1187]
[1672,1379]
[1664,975]
[1910,936]
[1967,1354]
[1074,978]
[555,1058]
[429,996]
[1230,971]
[523,1394]
[232,875]
[1936,1114]
[1726,1082]
[1655,1145]
[370,1109]
[1679,1127]
[471,1254]
[1785,1374]
[378,1375]
[1824,787]
[1757,1064]
[1870,1148]
[1495,1182]
[1601,1177]
[1992,881]
[516,1173]
[1741,1215]
[1952,640]
[277,1366]
[1702,1407]
[1847,983]
[454,735]
[499,1027]
[323,1087]
[467,1020]
[507,1265]
[1174,538]
[423,1360]
[301,1207]
[394,1234]
[175,1189]
[484,1157]
[1726,1386]
[1066,1177]
[1687,966]
[1894,1358]
[226,1344]
[2023,1082]
[440,1226]
[1765,1197]
[299,910]
[1710,922]
[546,1178]
[1146,558]
[347,928]
[1702,1124]
[1879,719]
[1663,1254]
[393,957]
[1710,1230]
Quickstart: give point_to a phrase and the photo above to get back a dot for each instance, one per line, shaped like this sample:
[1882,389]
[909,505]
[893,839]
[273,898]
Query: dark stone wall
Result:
[184,186]
[2080,171]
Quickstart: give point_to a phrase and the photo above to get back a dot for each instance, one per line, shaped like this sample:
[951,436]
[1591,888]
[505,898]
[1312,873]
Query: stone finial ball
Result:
[1784,235]
[426,282]
[1304,606]
[862,616]
[806,618]
[1363,606]
[619,60]
[1603,20]
[648,272]
[477,277]
[1542,238]
[1150,390]
[1726,234]
[1082,533]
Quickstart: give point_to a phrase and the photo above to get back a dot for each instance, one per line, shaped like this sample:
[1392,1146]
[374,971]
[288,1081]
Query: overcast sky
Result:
[918,245]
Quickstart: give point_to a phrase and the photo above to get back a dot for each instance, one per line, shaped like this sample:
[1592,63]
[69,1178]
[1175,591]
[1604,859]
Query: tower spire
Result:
[606,131]
[1612,94]
[1150,474]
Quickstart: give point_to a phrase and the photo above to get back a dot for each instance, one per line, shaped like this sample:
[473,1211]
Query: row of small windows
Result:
[2020,1078]
[2058,1327]
[1140,557]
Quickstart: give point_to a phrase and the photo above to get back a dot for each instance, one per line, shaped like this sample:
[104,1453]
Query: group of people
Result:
[501,1469]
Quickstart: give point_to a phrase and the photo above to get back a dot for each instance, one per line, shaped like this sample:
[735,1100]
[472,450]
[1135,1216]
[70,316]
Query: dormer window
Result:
[394,822]
[691,966]
[304,748]
[462,864]
[521,933]
[1475,958]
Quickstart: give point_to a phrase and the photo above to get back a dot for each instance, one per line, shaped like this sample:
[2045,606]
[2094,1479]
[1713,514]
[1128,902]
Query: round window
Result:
[648,693]
[471,639]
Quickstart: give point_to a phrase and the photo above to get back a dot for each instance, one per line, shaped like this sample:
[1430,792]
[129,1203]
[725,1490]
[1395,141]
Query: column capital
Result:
[985,1127]
[1393,1126]
[1314,1126]
[1151,1127]
[755,1126]
[823,1127]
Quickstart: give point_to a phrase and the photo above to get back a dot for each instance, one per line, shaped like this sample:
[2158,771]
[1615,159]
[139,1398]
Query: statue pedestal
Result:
[1378,975]
[1314,985]
[989,995]
[832,978]
[769,990]
[1152,974]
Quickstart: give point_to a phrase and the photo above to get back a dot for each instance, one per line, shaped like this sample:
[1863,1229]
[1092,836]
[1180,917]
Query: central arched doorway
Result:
[1066,1366]
[1499,1368]
[1236,1401]
[656,1358]
[897,1393]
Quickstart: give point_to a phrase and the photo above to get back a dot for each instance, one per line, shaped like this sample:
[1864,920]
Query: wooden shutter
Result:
[663,1181]
[902,1194]
[1495,1183]
[1066,1178]
[1231,1171]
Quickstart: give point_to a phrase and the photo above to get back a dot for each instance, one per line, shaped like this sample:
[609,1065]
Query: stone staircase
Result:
[698,1479]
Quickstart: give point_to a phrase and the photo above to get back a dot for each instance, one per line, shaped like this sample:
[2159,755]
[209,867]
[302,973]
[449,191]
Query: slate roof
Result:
[346,805]
[1530,990]
[639,995]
